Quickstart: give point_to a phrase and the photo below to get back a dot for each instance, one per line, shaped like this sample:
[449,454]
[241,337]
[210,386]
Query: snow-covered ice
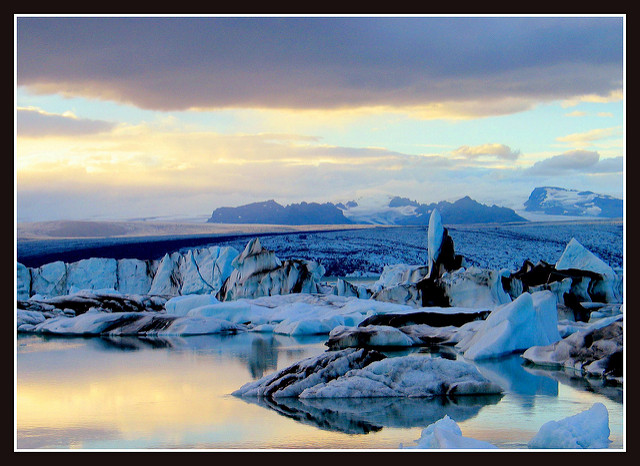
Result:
[446,434]
[354,373]
[410,376]
[94,322]
[588,429]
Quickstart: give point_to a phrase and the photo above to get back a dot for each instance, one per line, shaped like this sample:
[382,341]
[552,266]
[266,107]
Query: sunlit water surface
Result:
[131,393]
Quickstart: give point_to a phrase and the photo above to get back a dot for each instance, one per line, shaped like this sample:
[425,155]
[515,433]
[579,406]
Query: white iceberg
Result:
[475,287]
[49,279]
[528,321]
[366,373]
[195,271]
[446,434]
[258,272]
[294,379]
[92,274]
[406,376]
[341,337]
[182,305]
[23,281]
[134,276]
[399,274]
[577,257]
[94,322]
[588,429]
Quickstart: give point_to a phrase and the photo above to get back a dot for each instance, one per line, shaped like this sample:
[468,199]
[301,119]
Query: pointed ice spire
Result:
[434,237]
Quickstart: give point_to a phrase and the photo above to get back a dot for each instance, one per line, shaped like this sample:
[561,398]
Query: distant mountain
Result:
[272,213]
[571,202]
[404,211]
[393,211]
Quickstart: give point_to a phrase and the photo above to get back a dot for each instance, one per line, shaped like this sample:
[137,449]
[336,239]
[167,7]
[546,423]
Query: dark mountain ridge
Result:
[462,211]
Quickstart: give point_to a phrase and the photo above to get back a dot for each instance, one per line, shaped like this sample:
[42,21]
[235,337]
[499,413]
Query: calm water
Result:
[174,393]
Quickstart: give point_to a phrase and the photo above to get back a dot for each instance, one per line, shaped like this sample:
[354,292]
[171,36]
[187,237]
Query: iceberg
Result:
[578,276]
[446,434]
[341,337]
[49,279]
[435,236]
[258,272]
[530,320]
[293,380]
[92,274]
[474,287]
[23,281]
[406,376]
[588,429]
[197,271]
[363,372]
[95,322]
[134,276]
[597,352]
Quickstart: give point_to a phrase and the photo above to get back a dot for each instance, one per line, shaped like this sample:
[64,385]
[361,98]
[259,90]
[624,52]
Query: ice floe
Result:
[367,373]
[588,429]
[94,322]
[446,434]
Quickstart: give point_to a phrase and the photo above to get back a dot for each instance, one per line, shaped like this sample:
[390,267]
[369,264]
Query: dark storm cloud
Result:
[178,63]
[33,123]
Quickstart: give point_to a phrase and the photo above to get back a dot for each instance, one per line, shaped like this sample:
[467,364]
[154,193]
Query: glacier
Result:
[542,311]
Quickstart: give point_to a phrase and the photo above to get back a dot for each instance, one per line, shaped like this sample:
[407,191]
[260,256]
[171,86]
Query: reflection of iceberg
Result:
[573,379]
[509,373]
[258,351]
[364,415]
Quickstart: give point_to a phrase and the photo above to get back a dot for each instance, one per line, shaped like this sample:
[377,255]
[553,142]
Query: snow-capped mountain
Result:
[385,210]
[571,202]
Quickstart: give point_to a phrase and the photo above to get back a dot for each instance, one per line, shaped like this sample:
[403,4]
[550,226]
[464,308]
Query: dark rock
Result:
[433,319]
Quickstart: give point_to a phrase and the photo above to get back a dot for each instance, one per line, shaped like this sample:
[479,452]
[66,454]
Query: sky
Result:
[129,117]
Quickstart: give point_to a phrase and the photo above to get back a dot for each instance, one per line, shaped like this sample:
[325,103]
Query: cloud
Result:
[482,65]
[588,137]
[500,151]
[614,95]
[574,162]
[35,123]
[608,165]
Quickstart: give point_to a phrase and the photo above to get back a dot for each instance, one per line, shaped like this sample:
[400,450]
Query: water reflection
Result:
[259,352]
[611,390]
[364,415]
[129,392]
[509,373]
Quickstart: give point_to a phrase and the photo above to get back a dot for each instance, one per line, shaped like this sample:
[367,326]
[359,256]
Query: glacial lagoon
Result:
[131,393]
